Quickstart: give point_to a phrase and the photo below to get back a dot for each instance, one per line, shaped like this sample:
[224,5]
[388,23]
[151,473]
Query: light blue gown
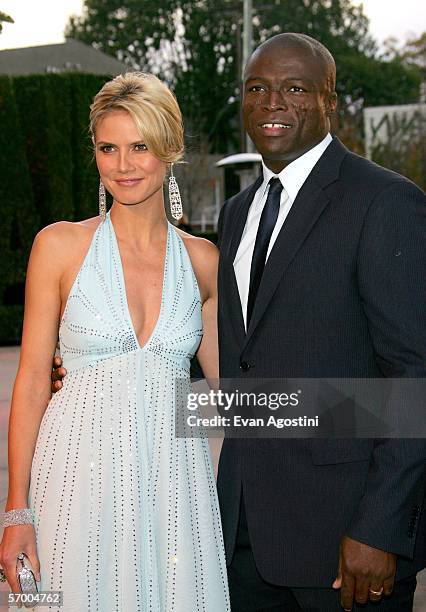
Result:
[126,514]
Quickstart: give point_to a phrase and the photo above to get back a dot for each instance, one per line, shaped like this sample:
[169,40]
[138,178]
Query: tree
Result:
[189,44]
[4,19]
[195,46]
[404,148]
[18,217]
[414,53]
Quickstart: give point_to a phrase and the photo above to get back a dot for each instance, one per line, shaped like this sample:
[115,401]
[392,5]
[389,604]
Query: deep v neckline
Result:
[122,282]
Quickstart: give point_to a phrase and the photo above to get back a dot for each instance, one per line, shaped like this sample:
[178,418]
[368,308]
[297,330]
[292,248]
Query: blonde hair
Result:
[153,108]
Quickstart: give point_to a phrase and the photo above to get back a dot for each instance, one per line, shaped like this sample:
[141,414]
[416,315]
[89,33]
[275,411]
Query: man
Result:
[342,294]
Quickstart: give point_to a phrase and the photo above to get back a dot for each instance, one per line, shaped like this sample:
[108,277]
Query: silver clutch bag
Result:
[26,578]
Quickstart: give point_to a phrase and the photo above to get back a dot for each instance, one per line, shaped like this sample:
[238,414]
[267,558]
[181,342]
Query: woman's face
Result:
[128,170]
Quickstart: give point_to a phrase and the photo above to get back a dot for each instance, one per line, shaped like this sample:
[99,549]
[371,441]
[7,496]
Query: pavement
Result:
[8,365]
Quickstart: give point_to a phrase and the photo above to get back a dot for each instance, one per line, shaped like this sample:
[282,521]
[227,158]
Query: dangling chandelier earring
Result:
[174,197]
[102,200]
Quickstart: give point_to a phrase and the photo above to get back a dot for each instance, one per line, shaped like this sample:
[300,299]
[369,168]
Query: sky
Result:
[43,22]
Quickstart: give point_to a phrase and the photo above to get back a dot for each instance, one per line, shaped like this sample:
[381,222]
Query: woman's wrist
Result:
[18,516]
[16,500]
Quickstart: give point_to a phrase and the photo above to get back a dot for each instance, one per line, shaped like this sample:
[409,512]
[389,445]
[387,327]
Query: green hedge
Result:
[85,174]
[47,172]
[11,324]
[17,214]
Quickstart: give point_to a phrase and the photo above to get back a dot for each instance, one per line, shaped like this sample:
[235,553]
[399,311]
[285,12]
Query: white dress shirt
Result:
[292,178]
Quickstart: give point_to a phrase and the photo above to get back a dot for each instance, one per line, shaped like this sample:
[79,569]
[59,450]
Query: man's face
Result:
[287,102]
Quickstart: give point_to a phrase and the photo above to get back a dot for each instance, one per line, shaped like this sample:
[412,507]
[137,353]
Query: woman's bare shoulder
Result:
[204,257]
[63,234]
[200,249]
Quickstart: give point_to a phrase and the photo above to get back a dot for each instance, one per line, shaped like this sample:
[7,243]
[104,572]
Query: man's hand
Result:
[58,373]
[364,573]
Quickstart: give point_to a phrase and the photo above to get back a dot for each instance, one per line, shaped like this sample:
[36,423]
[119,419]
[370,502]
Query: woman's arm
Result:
[208,353]
[31,392]
[205,267]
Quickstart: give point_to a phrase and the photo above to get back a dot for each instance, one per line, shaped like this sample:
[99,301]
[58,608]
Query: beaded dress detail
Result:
[126,514]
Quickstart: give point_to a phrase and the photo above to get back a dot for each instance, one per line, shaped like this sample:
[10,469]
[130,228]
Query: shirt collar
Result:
[295,174]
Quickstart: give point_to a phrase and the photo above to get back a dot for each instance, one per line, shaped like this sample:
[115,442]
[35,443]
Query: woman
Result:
[125,514]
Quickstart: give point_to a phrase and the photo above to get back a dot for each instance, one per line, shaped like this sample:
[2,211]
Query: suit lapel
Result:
[241,203]
[305,211]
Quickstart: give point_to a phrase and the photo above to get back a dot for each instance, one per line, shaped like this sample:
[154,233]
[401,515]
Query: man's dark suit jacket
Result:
[343,295]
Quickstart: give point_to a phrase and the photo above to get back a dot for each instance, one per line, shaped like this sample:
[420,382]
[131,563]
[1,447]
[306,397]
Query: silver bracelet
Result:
[18,516]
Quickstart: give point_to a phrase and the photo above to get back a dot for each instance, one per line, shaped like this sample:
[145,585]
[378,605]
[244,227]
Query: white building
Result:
[387,124]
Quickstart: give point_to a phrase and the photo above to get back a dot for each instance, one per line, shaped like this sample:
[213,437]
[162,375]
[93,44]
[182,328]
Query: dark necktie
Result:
[267,222]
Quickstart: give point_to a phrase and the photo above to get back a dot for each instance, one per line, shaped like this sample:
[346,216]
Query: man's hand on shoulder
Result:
[365,573]
[58,373]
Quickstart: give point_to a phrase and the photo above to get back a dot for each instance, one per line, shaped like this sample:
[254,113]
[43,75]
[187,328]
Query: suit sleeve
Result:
[391,271]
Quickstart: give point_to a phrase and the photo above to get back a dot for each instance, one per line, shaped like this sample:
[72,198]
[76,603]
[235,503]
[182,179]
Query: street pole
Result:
[247,30]
[239,53]
[247,51]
